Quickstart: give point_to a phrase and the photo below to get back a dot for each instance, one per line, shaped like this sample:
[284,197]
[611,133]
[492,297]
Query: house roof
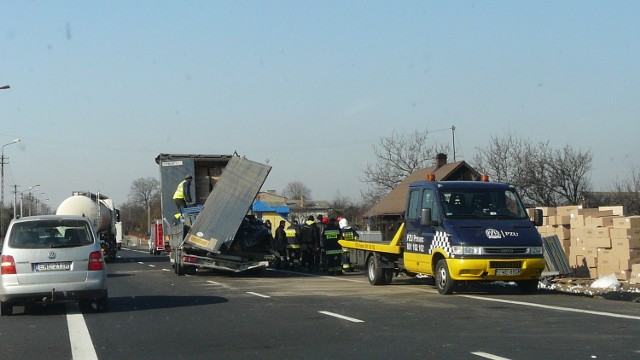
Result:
[394,202]
[259,206]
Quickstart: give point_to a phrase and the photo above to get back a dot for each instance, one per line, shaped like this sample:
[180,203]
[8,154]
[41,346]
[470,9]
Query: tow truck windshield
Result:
[470,203]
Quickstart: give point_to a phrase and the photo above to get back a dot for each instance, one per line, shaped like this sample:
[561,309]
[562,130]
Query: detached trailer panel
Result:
[227,205]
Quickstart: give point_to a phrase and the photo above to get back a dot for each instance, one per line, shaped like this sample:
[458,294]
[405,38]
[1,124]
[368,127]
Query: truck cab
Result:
[471,230]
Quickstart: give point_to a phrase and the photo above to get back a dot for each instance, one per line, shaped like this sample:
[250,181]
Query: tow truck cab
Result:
[471,230]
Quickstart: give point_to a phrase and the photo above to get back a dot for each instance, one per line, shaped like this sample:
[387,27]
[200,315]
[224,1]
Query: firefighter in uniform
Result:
[182,196]
[280,243]
[348,233]
[332,249]
[319,258]
[293,245]
[310,244]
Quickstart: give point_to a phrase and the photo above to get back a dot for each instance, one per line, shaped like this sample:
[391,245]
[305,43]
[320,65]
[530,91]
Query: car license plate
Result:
[52,266]
[508,272]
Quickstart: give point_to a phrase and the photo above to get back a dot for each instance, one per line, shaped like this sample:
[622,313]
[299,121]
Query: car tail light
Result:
[8,265]
[96,262]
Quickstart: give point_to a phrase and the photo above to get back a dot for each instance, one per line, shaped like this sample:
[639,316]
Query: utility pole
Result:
[453,134]
[2,158]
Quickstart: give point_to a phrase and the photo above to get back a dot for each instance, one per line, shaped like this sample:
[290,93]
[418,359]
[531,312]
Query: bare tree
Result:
[568,170]
[543,175]
[296,190]
[397,156]
[624,192]
[143,191]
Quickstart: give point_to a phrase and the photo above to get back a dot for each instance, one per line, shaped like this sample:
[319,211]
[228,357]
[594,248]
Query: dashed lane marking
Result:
[489,356]
[341,316]
[256,294]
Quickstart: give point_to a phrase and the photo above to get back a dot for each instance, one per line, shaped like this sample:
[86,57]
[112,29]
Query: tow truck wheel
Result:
[388,276]
[444,283]
[374,273]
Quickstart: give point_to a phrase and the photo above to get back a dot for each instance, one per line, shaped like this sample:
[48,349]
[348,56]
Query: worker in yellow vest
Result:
[182,196]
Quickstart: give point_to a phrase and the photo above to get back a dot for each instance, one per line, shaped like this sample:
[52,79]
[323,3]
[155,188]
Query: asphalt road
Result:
[285,315]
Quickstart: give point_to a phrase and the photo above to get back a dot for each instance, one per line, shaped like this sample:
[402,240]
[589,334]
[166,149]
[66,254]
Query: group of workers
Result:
[313,245]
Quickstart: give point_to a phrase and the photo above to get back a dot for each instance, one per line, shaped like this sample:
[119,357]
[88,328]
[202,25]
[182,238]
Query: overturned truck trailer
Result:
[221,233]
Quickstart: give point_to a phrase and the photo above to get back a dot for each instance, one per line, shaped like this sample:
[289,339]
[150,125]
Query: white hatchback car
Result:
[52,258]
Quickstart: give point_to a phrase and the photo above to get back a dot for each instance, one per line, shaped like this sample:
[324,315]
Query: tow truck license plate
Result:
[508,272]
[52,266]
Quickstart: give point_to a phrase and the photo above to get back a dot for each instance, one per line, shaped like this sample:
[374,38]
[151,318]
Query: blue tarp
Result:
[259,206]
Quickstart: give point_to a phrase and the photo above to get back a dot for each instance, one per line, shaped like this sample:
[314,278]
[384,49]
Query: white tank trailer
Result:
[101,211]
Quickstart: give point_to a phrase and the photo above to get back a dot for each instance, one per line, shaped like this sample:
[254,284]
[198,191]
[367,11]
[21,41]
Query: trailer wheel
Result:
[528,286]
[177,267]
[189,270]
[374,272]
[444,283]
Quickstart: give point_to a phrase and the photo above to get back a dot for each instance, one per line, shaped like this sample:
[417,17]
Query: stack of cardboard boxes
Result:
[597,241]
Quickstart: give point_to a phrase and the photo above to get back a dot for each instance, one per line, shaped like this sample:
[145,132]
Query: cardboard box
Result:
[548,211]
[633,233]
[560,220]
[617,210]
[597,242]
[627,222]
[576,221]
[578,232]
[635,274]
[602,221]
[566,210]
[562,232]
[628,264]
[623,275]
[593,212]
[620,254]
[608,266]
[542,229]
[625,244]
[597,232]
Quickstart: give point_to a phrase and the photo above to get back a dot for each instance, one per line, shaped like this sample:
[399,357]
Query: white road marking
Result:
[79,337]
[489,356]
[151,265]
[522,303]
[256,294]
[341,316]
[213,282]
[167,270]
[559,308]
[140,262]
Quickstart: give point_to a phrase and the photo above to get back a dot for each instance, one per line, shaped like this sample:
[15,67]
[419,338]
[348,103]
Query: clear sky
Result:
[100,88]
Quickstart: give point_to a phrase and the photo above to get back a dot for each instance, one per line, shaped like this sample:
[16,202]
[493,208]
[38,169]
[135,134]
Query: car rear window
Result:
[50,234]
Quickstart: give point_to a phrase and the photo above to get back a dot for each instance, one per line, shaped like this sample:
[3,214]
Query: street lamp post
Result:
[2,181]
[22,196]
[36,204]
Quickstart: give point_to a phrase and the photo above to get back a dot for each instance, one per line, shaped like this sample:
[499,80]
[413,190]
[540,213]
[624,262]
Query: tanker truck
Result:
[103,214]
